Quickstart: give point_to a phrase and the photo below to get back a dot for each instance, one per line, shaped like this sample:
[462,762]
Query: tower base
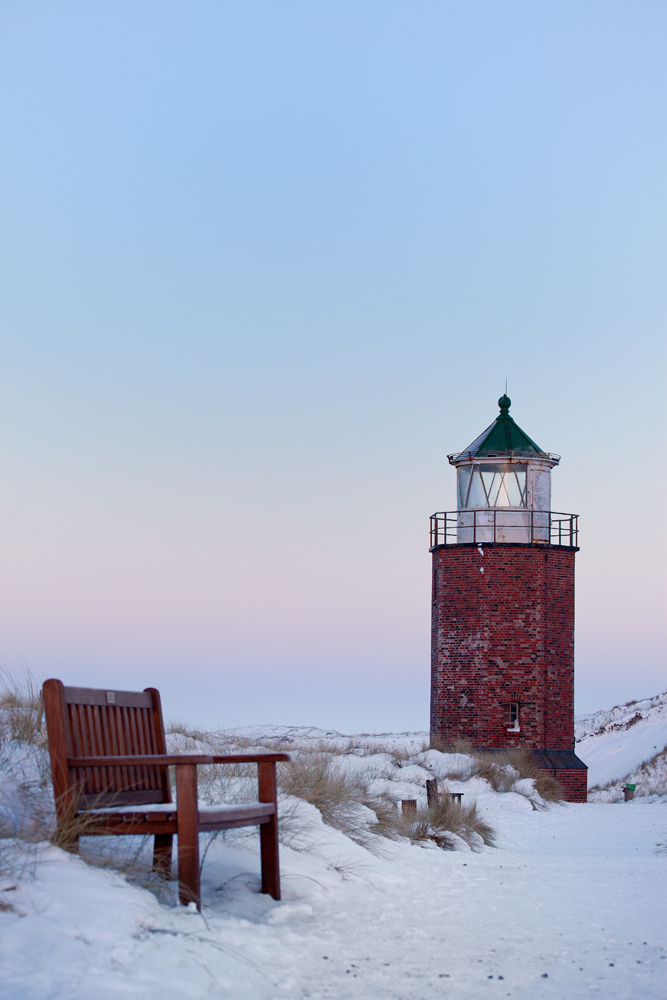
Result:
[570,772]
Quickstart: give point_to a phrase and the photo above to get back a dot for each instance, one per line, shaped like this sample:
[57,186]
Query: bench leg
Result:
[162,854]
[268,832]
[188,834]
[268,844]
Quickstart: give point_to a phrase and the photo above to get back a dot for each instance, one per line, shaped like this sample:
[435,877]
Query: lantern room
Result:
[503,491]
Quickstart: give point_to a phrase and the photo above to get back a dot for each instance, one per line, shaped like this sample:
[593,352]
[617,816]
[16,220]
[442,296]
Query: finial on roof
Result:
[504,403]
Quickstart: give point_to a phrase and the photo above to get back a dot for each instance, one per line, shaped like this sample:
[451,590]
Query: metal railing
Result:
[500,525]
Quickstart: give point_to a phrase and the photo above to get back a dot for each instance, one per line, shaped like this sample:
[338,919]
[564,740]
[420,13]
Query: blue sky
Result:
[263,266]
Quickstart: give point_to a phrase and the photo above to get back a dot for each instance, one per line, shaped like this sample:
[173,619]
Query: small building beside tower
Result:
[502,647]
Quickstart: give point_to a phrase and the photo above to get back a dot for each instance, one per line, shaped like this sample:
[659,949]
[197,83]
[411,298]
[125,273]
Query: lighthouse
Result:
[502,646]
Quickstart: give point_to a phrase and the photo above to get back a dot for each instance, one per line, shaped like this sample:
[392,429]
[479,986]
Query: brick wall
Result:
[574,782]
[503,631]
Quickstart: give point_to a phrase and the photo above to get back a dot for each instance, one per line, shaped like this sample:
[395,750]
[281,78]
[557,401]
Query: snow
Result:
[572,901]
[575,894]
[618,716]
[615,743]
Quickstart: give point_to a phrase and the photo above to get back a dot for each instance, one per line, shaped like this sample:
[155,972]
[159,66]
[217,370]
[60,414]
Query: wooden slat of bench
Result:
[207,813]
[93,696]
[253,758]
[249,811]
[149,809]
[232,824]
[139,760]
[109,800]
[139,826]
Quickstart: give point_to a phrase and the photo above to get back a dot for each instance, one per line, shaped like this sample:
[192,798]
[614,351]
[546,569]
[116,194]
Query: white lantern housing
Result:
[503,485]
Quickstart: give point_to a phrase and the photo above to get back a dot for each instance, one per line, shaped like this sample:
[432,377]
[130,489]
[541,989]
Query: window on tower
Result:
[511,716]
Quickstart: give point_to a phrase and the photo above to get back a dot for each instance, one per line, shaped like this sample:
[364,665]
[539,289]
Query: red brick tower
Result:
[502,647]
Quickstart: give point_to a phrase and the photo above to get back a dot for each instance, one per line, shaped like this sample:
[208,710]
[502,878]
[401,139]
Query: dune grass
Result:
[503,768]
[446,817]
[21,708]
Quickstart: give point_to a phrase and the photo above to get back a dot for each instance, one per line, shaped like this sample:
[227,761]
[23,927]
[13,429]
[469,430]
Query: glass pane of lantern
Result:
[476,494]
[491,475]
[515,485]
[501,498]
[505,485]
[463,480]
[496,483]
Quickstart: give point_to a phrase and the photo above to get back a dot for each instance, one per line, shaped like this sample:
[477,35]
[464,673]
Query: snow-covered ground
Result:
[616,743]
[571,902]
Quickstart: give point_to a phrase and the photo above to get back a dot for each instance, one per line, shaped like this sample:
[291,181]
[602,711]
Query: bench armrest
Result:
[250,758]
[164,759]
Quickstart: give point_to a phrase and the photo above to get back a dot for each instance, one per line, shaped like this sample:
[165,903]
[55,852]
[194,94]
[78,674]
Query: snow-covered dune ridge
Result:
[389,767]
[625,744]
[357,783]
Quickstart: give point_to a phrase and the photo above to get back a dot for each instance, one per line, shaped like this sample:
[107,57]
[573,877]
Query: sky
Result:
[262,267]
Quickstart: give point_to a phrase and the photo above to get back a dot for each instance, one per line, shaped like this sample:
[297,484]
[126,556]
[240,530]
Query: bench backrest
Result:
[87,722]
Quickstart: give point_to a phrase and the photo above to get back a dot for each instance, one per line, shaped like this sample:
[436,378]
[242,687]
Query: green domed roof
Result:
[503,437]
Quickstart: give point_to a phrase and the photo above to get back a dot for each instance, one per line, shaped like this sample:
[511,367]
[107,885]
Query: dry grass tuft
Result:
[21,708]
[440,821]
[343,799]
[501,776]
[337,795]
[522,761]
[26,807]
[503,768]
[550,789]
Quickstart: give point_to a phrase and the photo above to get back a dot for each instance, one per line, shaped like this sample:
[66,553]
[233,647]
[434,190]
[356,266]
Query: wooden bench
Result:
[110,778]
